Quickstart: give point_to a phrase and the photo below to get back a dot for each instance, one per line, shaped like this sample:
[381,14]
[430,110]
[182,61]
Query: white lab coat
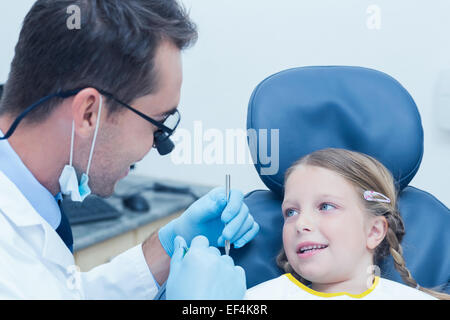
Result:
[36,264]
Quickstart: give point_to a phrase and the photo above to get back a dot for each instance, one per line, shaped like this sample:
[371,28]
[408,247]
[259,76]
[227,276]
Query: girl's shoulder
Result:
[388,289]
[280,288]
[271,289]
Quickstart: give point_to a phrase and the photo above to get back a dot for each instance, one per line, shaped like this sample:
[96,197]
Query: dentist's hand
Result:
[202,273]
[208,216]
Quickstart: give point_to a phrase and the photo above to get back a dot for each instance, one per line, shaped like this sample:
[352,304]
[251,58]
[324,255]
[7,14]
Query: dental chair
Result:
[357,109]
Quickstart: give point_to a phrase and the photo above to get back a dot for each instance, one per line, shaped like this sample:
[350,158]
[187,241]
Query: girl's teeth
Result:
[313,247]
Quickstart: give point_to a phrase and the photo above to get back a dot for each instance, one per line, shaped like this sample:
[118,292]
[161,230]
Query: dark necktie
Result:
[64,230]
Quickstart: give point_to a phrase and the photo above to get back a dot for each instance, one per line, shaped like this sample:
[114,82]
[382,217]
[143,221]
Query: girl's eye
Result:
[327,206]
[290,212]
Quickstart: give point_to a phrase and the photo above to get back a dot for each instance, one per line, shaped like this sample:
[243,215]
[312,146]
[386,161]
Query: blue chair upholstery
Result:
[358,109]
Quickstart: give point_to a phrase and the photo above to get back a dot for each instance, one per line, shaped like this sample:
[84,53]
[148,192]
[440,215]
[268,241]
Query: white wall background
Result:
[243,41]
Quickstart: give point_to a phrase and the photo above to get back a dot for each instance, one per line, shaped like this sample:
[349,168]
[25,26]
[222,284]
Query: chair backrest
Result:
[358,109]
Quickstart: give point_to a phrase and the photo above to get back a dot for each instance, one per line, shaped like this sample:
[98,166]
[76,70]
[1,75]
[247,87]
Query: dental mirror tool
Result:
[227,192]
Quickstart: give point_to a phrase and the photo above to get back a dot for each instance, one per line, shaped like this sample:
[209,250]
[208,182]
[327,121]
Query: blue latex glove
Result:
[202,273]
[208,216]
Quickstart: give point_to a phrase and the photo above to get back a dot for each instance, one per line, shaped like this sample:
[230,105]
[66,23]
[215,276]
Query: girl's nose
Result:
[304,223]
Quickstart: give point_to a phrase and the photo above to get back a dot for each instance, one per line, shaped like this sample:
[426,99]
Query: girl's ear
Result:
[377,230]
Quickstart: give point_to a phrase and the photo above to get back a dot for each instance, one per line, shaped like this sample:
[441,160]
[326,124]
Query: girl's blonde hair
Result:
[365,173]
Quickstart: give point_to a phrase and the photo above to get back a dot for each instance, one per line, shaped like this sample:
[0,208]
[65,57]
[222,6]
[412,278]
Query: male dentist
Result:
[83,102]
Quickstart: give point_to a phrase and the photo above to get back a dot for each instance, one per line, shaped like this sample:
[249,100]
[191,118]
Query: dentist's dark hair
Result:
[113,50]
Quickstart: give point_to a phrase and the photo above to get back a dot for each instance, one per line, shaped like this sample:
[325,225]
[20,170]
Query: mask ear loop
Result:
[71,142]
[95,135]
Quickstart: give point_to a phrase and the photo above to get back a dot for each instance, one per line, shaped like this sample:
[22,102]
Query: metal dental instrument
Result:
[227,192]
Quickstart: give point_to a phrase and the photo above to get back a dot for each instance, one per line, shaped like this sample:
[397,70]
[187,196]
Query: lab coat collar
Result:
[20,212]
[37,195]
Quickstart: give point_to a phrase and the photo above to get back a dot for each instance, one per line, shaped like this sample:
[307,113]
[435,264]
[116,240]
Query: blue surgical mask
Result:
[68,180]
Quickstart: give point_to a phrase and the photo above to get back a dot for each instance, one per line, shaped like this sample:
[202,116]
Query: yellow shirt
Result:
[286,287]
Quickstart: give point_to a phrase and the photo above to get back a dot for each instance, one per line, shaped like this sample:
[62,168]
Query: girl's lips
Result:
[308,249]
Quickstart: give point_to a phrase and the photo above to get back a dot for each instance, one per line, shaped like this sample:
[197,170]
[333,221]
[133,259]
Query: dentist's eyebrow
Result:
[167,113]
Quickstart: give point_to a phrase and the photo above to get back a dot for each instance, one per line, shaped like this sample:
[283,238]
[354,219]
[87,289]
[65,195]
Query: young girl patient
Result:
[340,219]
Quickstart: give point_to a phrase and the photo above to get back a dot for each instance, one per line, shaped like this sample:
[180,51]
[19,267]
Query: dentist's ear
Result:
[85,110]
[377,229]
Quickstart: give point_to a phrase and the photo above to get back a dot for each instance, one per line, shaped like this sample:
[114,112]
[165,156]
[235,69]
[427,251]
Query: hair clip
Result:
[370,195]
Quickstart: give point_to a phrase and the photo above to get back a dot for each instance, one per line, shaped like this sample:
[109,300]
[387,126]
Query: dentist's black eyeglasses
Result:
[165,127]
